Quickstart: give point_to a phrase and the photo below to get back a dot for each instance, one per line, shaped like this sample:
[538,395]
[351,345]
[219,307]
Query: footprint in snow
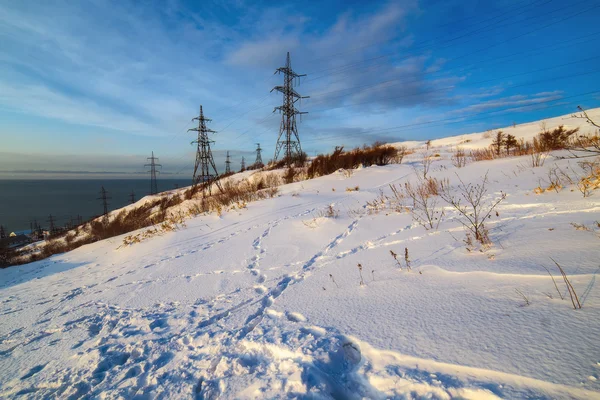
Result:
[33,371]
[295,317]
[260,289]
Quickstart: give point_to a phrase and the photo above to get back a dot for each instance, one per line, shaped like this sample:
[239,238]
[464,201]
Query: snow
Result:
[265,301]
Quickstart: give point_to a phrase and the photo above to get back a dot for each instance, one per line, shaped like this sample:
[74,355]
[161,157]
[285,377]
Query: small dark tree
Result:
[498,142]
[557,138]
[510,143]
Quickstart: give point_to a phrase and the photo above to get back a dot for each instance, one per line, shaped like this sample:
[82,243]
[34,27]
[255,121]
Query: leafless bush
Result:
[459,158]
[289,175]
[423,205]
[407,258]
[481,154]
[468,202]
[426,160]
[537,158]
[402,152]
[590,181]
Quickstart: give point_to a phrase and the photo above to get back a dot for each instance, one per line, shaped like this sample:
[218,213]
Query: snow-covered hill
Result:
[266,301]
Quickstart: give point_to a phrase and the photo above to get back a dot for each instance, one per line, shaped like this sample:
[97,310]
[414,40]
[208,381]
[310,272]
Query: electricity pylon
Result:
[131,197]
[204,160]
[243,164]
[291,142]
[104,198]
[51,222]
[258,163]
[227,164]
[153,165]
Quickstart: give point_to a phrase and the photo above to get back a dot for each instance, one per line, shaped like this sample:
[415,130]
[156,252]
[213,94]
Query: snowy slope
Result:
[525,131]
[265,302]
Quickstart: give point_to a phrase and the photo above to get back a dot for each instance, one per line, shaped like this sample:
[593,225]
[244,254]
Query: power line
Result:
[347,67]
[462,70]
[472,83]
[454,23]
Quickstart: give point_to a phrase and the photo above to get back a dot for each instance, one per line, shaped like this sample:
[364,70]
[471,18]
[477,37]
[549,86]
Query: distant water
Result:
[22,201]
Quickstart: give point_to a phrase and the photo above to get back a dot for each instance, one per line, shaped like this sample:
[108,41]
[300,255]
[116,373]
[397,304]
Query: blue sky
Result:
[99,85]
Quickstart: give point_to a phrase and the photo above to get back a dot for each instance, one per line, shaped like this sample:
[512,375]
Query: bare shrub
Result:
[459,158]
[468,202]
[537,158]
[289,175]
[424,206]
[590,181]
[426,161]
[481,154]
[402,152]
[406,258]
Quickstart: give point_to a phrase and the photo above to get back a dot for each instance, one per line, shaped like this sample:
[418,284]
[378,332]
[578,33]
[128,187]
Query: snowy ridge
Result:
[265,302]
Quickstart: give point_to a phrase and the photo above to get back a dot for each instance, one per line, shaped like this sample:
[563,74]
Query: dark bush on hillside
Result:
[129,220]
[377,154]
[296,161]
[555,139]
[7,256]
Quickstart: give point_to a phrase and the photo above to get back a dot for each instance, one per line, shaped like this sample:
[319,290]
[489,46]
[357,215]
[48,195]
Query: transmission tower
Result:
[104,198]
[204,160]
[243,164]
[227,164]
[131,197]
[2,233]
[51,223]
[258,163]
[153,165]
[291,142]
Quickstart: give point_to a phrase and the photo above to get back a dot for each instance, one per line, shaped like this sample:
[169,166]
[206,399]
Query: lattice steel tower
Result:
[258,163]
[153,165]
[104,197]
[204,160]
[243,164]
[227,164]
[291,142]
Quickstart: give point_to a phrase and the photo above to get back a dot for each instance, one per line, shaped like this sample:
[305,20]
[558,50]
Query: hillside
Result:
[299,295]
